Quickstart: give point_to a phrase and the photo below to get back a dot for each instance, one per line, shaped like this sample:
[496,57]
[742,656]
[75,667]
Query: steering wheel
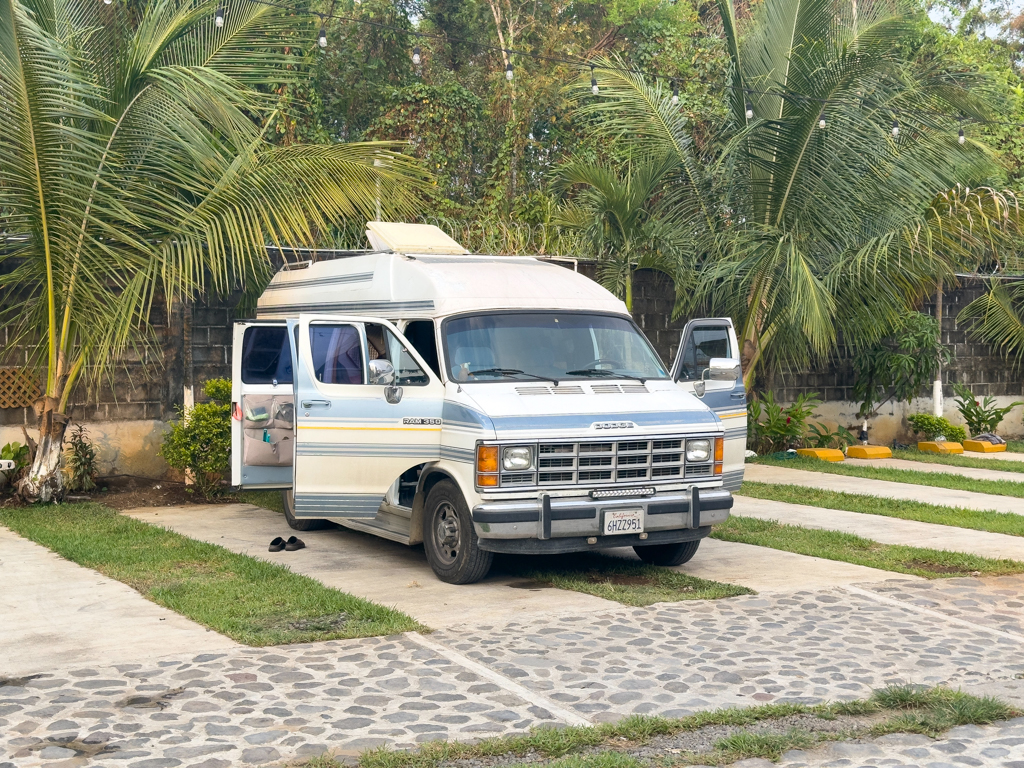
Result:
[613,363]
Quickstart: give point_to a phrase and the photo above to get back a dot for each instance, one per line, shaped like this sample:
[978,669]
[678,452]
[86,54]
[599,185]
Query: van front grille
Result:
[609,462]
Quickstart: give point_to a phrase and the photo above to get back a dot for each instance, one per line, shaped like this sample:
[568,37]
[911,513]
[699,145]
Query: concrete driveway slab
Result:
[947,469]
[762,473]
[367,566]
[56,613]
[886,530]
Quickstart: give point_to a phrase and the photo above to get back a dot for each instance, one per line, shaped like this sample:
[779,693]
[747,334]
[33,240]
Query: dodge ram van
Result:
[480,404]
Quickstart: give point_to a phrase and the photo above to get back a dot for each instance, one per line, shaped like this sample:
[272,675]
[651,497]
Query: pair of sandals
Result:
[288,546]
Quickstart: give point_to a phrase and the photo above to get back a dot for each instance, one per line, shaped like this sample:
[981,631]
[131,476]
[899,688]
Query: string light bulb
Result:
[821,120]
[750,111]
[895,128]
[593,82]
[416,55]
[107,2]
[323,36]
[219,19]
[675,93]
[509,74]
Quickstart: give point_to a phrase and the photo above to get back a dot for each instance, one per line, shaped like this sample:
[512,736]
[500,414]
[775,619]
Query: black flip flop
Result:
[293,544]
[278,544]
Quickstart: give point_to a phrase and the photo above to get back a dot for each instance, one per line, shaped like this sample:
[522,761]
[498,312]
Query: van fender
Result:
[429,477]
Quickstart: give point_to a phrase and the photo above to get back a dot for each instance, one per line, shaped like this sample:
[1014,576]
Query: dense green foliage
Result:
[982,416]
[80,461]
[933,427]
[199,443]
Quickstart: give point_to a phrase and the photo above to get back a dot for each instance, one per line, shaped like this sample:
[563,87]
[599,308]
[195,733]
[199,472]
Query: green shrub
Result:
[935,426]
[200,441]
[773,428]
[80,461]
[981,416]
[17,453]
[822,437]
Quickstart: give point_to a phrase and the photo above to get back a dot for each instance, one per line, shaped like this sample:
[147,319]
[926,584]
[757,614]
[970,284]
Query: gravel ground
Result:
[702,740]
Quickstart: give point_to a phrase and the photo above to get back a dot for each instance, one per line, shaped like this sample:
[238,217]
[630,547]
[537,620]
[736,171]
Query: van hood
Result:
[614,408]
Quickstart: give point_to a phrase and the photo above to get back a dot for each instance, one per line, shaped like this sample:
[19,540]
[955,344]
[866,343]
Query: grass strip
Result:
[957,460]
[933,479]
[1015,446]
[902,709]
[959,517]
[624,581]
[249,600]
[849,548]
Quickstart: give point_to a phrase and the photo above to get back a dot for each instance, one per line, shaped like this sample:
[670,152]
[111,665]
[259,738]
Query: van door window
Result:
[266,355]
[704,343]
[337,353]
[382,344]
[420,334]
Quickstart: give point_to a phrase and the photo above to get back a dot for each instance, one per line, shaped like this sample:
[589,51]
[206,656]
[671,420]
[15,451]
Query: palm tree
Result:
[135,159]
[803,232]
[618,214]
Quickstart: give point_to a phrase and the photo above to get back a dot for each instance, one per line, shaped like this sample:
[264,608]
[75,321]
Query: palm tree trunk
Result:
[45,479]
[629,289]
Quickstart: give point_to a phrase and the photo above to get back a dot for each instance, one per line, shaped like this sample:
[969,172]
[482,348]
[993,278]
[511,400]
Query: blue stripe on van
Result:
[327,505]
[585,420]
[361,277]
[459,415]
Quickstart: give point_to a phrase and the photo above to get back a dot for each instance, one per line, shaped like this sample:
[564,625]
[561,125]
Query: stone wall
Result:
[127,413]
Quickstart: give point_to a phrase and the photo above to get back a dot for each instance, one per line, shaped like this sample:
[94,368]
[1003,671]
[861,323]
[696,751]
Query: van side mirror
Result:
[382,372]
[723,369]
[699,387]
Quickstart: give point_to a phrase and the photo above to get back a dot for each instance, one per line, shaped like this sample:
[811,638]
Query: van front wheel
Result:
[668,554]
[288,497]
[449,538]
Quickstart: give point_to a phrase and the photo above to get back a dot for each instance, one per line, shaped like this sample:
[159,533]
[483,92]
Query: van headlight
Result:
[516,458]
[698,450]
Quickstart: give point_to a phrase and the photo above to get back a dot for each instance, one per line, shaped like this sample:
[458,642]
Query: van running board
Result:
[376,527]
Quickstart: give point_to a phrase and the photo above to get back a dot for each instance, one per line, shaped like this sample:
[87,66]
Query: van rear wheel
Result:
[289,514]
[450,539]
[668,554]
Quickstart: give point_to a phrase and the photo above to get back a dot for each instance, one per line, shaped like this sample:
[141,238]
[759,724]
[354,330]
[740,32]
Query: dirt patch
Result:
[936,568]
[122,492]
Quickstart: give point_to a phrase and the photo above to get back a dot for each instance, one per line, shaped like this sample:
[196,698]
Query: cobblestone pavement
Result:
[999,746]
[255,706]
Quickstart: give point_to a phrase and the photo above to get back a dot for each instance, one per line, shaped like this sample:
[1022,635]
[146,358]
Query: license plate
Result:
[623,521]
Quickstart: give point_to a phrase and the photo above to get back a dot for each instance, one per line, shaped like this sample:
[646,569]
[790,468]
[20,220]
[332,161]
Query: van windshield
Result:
[548,345]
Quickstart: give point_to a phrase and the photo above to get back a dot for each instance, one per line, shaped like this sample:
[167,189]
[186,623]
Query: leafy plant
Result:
[822,437]
[935,426]
[981,416]
[199,443]
[80,461]
[773,428]
[19,454]
[898,366]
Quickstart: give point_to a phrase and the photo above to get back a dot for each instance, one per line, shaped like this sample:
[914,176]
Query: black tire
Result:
[450,539]
[668,554]
[288,497]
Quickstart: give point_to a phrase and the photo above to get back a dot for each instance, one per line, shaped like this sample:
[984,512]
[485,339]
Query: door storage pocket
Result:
[268,411]
[267,447]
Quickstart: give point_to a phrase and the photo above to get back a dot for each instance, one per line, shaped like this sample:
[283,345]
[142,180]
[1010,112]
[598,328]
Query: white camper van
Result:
[481,404]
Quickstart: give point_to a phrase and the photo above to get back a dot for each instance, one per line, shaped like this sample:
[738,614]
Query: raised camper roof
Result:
[439,280]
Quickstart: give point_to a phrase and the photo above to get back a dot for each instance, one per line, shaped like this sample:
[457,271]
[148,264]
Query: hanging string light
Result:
[593,81]
[821,120]
[961,138]
[219,19]
[750,111]
[322,40]
[895,128]
[107,2]
[675,92]
[509,74]
[416,55]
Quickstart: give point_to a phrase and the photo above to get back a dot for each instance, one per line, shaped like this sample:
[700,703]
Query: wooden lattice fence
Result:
[19,388]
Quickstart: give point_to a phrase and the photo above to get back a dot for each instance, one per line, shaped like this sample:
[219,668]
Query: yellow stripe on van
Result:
[377,429]
[731,414]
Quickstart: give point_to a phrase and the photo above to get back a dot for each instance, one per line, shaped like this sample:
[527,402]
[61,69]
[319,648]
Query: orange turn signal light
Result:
[487,458]
[487,481]
[719,448]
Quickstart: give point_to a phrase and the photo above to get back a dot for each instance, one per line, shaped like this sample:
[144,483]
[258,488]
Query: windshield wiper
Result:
[604,372]
[511,372]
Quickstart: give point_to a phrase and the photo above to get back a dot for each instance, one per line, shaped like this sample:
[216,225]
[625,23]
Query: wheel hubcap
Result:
[447,532]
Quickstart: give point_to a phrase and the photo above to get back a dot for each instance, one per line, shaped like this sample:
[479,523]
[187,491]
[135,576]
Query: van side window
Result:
[266,355]
[382,344]
[703,343]
[420,334]
[337,353]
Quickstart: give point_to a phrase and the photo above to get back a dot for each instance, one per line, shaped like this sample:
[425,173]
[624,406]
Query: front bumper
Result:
[551,518]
